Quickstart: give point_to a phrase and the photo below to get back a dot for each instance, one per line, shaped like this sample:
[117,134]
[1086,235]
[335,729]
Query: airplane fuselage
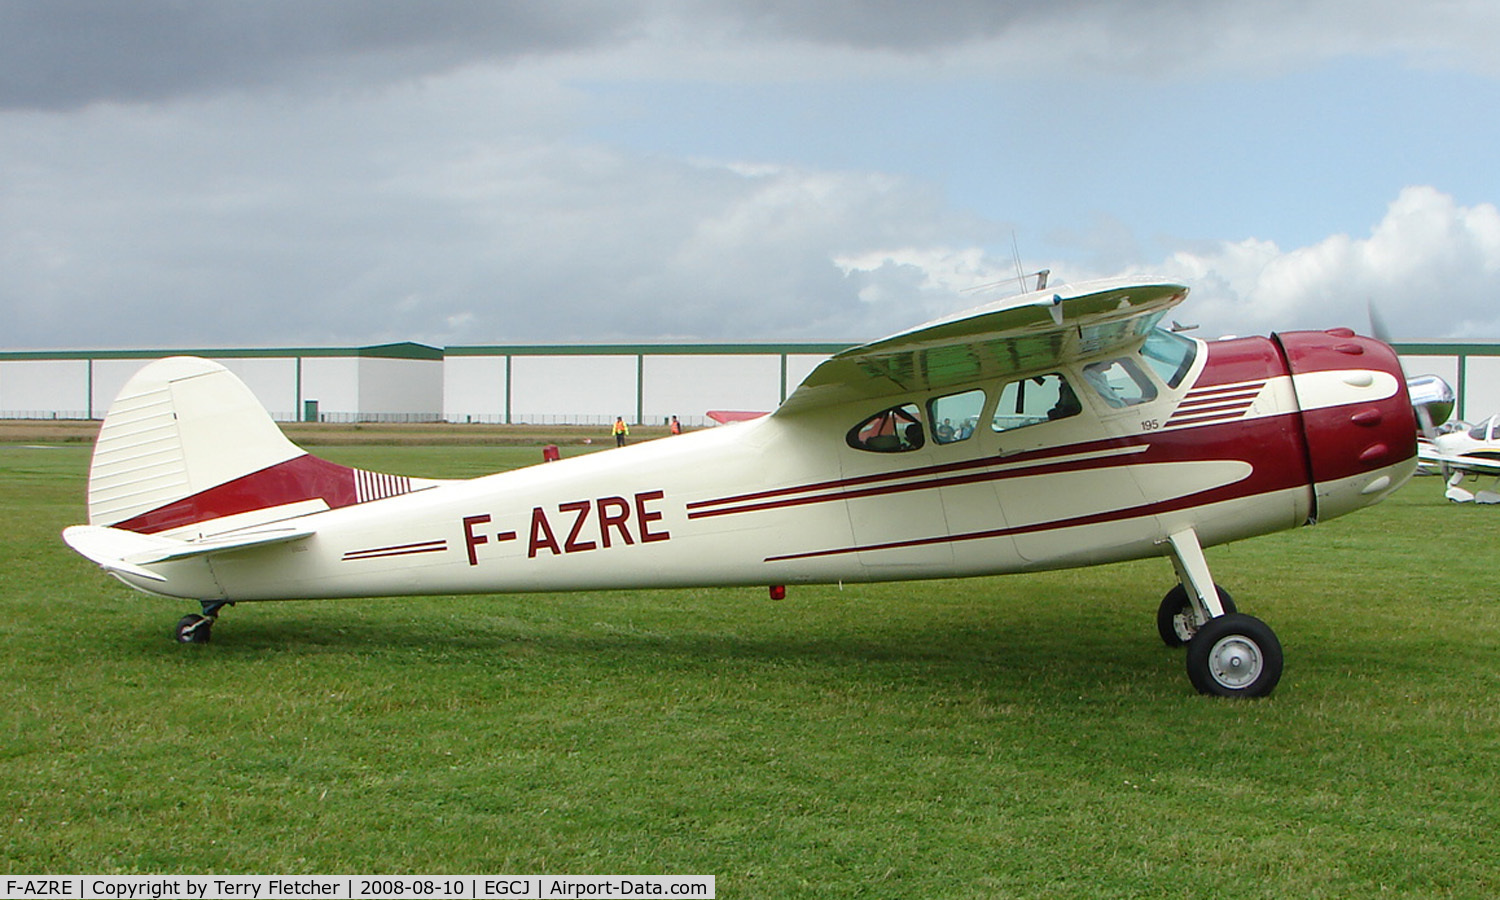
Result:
[1059,428]
[1256,435]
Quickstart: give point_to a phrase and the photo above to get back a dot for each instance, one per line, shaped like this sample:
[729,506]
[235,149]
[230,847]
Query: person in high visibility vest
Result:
[620,430]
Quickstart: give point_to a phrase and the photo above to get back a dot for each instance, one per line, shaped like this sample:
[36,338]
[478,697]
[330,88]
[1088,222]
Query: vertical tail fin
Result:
[186,443]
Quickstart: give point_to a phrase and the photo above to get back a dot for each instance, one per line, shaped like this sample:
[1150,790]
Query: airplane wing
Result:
[1030,333]
[1477,465]
[118,550]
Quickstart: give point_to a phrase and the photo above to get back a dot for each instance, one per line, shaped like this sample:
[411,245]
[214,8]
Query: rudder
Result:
[186,443]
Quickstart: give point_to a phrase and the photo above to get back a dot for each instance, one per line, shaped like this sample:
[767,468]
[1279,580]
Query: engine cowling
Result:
[1356,414]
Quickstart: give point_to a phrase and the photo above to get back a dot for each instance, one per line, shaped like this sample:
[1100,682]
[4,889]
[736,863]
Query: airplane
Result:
[1059,428]
[1472,451]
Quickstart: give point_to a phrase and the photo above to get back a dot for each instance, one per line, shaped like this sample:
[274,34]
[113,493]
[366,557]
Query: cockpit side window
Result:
[953,417]
[1120,382]
[1486,429]
[894,430]
[1169,355]
[1034,400]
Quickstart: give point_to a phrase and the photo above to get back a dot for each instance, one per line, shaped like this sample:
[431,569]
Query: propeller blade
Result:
[1377,325]
[1431,397]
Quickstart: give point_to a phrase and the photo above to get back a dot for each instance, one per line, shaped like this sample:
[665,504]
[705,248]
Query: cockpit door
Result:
[892,487]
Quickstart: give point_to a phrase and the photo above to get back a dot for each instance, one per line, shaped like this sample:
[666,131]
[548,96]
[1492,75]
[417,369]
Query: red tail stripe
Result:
[302,478]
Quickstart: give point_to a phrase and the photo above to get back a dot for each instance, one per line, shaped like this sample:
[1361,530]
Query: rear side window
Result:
[895,430]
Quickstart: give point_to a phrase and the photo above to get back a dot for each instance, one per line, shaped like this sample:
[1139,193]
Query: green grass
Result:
[1023,736]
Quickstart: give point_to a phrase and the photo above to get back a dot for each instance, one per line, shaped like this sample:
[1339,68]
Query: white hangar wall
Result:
[44,389]
[474,388]
[689,386]
[1482,388]
[274,382]
[333,385]
[578,389]
[546,385]
[407,388]
[410,382]
[402,382]
[592,384]
[1472,368]
[371,389]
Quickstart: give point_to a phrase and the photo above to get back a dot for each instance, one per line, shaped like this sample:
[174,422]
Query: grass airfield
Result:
[1024,736]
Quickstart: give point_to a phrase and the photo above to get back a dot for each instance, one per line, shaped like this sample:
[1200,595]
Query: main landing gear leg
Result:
[196,629]
[1196,599]
[1228,654]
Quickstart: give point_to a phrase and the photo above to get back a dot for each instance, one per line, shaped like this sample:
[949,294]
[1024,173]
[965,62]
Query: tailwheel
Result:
[1175,620]
[198,629]
[1234,655]
[194,629]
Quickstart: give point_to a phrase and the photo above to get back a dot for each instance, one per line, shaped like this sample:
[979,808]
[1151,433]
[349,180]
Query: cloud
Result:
[627,248]
[283,173]
[62,54]
[353,222]
[358,221]
[66,54]
[1430,266]
[1142,37]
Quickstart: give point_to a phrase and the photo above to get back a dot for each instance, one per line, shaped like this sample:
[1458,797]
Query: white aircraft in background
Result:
[1057,429]
[1472,451]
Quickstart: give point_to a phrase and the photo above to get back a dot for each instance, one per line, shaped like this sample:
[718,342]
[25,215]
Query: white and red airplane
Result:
[1470,451]
[1060,428]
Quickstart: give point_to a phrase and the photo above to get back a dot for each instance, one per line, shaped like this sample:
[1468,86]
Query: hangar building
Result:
[560,384]
[519,384]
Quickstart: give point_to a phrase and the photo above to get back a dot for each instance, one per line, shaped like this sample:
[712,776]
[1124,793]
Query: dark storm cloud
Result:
[64,54]
[215,173]
[61,54]
[893,24]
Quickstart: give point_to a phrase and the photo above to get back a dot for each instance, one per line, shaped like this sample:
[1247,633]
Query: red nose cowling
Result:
[1361,431]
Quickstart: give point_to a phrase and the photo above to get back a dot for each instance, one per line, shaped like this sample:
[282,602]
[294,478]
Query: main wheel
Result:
[1234,655]
[194,629]
[1174,619]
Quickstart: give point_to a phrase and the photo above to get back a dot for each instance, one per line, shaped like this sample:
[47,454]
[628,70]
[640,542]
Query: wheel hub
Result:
[1185,626]
[1235,661]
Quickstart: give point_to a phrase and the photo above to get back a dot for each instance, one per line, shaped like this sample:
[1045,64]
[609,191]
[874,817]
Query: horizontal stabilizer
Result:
[118,550]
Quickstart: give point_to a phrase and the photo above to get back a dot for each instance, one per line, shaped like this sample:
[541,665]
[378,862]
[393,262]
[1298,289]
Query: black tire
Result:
[1234,655]
[1176,603]
[194,629]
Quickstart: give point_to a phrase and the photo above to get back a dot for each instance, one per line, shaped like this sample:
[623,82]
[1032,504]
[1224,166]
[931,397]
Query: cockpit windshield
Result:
[1170,355]
[1485,430]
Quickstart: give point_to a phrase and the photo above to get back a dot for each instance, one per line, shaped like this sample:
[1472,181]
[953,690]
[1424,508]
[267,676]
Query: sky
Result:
[278,173]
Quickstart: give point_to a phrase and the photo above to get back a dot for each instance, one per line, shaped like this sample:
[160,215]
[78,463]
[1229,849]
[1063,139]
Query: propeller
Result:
[1432,398]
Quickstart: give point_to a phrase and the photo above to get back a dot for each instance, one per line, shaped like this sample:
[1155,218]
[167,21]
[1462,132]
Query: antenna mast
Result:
[1041,276]
[1015,252]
